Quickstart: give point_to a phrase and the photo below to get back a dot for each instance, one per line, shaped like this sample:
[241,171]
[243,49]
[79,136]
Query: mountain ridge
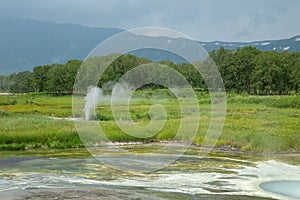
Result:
[292,44]
[28,43]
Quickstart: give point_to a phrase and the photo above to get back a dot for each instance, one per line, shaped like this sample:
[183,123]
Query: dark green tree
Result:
[39,78]
[19,82]
[268,75]
[4,83]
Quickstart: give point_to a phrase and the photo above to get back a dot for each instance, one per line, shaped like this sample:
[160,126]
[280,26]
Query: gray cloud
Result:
[230,20]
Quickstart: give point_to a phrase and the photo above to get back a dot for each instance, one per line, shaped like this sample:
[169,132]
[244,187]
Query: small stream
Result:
[57,174]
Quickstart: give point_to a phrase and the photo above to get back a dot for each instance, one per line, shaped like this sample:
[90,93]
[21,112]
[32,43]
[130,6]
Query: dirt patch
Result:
[6,94]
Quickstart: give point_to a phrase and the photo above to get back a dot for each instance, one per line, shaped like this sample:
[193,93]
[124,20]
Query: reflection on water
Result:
[286,188]
[218,174]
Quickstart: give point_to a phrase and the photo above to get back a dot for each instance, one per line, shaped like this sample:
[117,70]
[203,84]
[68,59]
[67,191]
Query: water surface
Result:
[217,176]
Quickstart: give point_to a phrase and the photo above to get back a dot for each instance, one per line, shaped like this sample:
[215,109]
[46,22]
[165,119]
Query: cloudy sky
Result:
[205,20]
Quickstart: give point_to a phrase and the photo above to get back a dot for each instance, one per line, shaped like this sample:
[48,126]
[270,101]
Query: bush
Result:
[12,147]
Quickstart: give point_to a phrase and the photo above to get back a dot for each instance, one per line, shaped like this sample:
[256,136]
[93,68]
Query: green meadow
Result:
[263,124]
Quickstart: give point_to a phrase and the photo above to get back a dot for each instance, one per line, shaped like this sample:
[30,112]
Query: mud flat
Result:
[110,194]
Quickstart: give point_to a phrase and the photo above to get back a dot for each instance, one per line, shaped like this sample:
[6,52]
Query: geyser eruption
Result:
[91,100]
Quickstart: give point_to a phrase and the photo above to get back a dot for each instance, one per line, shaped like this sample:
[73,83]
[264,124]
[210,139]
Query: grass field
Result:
[253,123]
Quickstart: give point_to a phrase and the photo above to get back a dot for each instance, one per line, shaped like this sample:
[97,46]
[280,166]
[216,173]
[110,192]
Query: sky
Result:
[204,20]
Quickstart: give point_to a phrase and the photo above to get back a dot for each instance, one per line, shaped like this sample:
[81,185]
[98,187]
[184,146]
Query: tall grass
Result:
[253,123]
[32,131]
[60,106]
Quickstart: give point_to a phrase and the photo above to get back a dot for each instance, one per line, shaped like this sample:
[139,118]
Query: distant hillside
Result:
[27,43]
[291,44]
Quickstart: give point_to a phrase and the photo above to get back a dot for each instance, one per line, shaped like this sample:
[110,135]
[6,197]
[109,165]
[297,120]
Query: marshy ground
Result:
[265,124]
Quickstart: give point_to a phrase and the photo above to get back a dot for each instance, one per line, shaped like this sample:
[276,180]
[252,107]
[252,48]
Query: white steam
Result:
[94,96]
[91,100]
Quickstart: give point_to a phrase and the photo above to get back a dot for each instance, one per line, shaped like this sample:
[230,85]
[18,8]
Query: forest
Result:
[245,70]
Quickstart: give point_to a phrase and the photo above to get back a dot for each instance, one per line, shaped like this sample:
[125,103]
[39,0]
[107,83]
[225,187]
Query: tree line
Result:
[55,79]
[245,70]
[248,70]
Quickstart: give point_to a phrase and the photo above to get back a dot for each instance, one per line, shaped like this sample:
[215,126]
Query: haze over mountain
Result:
[25,44]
